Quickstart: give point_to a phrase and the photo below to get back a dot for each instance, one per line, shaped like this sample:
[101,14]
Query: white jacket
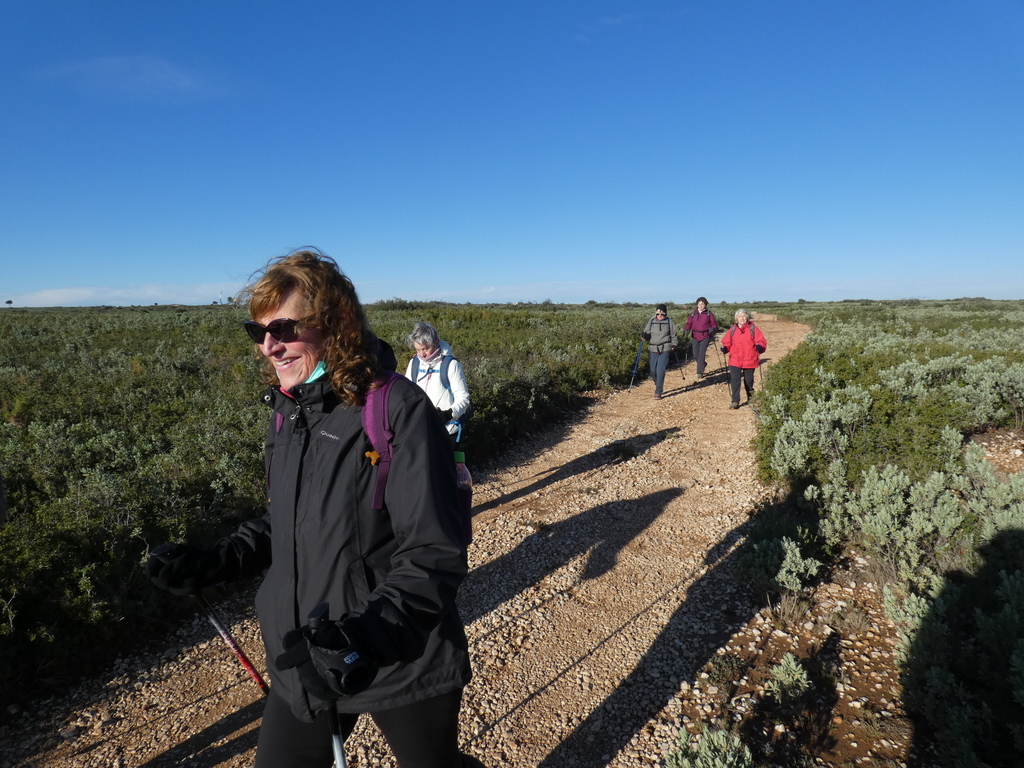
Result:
[429,380]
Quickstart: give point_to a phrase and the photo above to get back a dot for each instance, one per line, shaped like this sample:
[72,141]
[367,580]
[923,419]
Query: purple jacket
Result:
[702,324]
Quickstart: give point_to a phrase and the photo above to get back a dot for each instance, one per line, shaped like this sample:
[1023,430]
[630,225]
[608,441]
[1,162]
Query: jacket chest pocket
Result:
[328,491]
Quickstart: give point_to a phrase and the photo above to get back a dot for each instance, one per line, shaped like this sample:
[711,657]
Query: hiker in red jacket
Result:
[744,344]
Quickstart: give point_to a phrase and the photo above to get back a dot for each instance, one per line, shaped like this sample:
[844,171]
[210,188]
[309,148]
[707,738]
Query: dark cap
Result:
[661,308]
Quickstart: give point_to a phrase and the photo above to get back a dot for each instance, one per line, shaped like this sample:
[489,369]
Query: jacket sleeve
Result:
[689,323]
[726,341]
[647,328]
[460,392]
[713,328]
[672,330]
[759,338]
[429,560]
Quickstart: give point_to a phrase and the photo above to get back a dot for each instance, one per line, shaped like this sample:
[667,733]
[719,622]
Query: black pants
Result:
[700,350]
[421,735]
[735,374]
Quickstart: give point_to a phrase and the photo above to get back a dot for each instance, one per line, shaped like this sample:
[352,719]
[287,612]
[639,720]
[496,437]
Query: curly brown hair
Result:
[331,304]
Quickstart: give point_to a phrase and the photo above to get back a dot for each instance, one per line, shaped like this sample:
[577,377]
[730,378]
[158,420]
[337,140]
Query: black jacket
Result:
[393,573]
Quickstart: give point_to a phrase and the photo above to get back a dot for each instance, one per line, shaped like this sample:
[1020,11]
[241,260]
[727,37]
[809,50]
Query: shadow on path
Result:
[211,747]
[612,453]
[713,610]
[603,530]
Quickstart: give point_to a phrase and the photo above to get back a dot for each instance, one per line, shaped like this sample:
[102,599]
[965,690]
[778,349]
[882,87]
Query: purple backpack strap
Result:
[377,426]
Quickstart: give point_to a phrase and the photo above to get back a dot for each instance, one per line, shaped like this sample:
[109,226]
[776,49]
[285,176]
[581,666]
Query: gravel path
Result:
[601,582]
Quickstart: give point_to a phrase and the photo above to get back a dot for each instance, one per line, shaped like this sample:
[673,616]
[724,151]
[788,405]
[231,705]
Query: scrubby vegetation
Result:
[865,423]
[124,428]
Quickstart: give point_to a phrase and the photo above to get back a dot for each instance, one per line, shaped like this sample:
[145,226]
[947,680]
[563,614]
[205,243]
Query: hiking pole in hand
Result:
[212,616]
[317,618]
[636,364]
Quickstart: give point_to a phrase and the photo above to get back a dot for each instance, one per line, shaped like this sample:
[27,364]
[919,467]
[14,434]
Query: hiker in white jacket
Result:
[438,374]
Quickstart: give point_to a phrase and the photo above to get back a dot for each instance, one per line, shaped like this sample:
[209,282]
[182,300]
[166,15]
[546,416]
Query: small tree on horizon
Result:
[9,303]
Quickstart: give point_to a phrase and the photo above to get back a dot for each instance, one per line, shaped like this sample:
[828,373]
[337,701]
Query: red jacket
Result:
[739,343]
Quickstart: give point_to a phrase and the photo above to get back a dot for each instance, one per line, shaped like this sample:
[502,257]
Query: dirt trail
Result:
[601,582]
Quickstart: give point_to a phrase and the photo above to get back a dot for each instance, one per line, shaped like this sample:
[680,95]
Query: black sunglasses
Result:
[283,329]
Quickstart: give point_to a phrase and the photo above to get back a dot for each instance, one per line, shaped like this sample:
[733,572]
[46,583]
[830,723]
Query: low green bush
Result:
[865,423]
[124,428]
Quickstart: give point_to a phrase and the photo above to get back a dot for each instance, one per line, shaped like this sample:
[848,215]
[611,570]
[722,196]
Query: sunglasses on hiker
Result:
[284,330]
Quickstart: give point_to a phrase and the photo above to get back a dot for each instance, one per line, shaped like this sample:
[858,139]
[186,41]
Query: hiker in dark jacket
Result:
[702,327]
[660,334]
[389,576]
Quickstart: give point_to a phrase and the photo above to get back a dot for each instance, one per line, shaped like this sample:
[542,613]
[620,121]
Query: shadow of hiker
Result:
[612,453]
[213,745]
[208,748]
[964,675]
[603,530]
[713,610]
[710,379]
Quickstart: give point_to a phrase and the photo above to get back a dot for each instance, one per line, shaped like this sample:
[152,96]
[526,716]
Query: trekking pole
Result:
[222,631]
[636,364]
[317,617]
[681,365]
[721,363]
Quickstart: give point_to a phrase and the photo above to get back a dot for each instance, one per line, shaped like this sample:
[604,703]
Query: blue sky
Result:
[158,152]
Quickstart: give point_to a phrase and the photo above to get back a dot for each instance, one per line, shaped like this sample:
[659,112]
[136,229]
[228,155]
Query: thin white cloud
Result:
[133,78]
[126,295]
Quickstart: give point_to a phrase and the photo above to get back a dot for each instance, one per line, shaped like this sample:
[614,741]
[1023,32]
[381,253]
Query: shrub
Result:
[716,749]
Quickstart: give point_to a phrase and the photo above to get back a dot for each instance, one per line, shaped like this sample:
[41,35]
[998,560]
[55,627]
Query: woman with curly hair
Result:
[392,644]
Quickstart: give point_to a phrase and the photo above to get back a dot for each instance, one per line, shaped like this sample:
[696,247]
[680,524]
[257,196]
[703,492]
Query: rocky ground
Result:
[603,611]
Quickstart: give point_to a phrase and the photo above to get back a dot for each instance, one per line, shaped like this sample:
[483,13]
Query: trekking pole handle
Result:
[317,618]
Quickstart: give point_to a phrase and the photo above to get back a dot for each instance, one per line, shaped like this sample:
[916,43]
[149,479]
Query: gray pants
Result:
[659,362]
[700,349]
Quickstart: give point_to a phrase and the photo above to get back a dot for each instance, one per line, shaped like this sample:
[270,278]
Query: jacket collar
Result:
[315,396]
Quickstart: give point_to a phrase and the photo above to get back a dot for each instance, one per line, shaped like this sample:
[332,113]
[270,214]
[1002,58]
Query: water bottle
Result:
[464,481]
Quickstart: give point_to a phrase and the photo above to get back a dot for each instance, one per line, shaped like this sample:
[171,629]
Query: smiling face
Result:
[294,361]
[701,306]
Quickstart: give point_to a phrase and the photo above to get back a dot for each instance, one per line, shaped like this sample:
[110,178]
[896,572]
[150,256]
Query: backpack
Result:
[377,426]
[445,381]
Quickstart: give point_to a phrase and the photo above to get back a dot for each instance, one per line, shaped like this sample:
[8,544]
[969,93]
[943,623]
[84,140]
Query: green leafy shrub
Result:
[876,448]
[124,428]
[716,749]
[788,680]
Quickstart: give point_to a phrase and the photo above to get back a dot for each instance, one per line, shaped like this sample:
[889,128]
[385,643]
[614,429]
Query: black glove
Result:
[759,348]
[725,349]
[645,336]
[329,665]
[446,416]
[183,569]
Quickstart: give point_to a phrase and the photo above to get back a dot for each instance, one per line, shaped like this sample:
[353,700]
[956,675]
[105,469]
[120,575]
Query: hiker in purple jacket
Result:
[702,327]
[394,645]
